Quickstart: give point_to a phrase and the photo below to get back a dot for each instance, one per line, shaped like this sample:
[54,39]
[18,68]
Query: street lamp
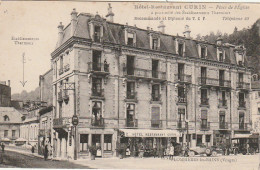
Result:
[75,120]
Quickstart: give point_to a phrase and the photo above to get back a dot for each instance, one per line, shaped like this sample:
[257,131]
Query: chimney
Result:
[60,34]
[161,27]
[187,31]
[110,14]
[219,40]
[9,83]
[73,14]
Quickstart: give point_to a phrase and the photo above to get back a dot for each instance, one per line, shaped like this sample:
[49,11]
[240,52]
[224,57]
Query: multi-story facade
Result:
[136,85]
[255,104]
[5,94]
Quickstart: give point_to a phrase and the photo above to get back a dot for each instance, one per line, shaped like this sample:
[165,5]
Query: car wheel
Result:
[191,153]
[214,153]
[244,152]
[208,151]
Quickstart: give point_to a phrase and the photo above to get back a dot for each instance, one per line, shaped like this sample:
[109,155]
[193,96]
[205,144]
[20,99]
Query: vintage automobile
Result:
[200,150]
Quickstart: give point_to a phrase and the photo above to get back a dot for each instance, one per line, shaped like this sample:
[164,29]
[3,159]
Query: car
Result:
[209,151]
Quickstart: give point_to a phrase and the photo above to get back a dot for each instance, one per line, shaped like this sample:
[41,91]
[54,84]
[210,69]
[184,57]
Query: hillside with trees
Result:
[25,96]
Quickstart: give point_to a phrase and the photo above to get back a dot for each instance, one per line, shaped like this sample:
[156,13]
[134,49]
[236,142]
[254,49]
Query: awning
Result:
[149,133]
[239,136]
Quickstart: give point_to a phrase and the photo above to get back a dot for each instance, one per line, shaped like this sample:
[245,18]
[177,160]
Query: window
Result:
[203,52]
[96,59]
[155,66]
[130,39]
[181,94]
[221,58]
[107,142]
[259,110]
[203,74]
[208,138]
[96,86]
[221,77]
[13,133]
[222,120]
[96,110]
[155,115]
[180,49]
[130,65]
[155,92]
[241,120]
[240,77]
[181,115]
[6,133]
[204,97]
[130,115]
[204,119]
[199,140]
[83,143]
[6,118]
[241,100]
[180,72]
[155,43]
[97,33]
[61,62]
[130,90]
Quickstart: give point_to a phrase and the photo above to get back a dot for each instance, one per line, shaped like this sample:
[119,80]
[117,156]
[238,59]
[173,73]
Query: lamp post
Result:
[75,120]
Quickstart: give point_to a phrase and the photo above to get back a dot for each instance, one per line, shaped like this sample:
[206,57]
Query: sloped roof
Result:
[14,115]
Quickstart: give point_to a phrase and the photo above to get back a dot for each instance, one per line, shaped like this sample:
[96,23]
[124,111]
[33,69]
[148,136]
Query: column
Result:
[204,139]
[63,147]
[102,144]
[58,154]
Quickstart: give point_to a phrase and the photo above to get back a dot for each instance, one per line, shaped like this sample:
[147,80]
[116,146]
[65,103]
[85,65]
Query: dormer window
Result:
[6,118]
[180,49]
[155,43]
[221,58]
[97,33]
[203,52]
[130,39]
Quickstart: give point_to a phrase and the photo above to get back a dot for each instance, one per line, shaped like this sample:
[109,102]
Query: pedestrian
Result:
[46,152]
[171,152]
[32,149]
[3,147]
[247,148]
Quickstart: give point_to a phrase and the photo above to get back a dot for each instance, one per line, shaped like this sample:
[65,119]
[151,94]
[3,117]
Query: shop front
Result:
[151,142]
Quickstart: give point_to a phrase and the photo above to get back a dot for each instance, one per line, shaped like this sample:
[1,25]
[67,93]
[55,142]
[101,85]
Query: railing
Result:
[242,104]
[181,125]
[214,82]
[98,67]
[156,97]
[131,95]
[97,93]
[156,123]
[204,101]
[60,99]
[97,122]
[243,126]
[205,126]
[138,72]
[183,78]
[223,125]
[182,99]
[243,85]
[66,68]
[61,122]
[65,96]
[222,103]
[132,123]
[60,71]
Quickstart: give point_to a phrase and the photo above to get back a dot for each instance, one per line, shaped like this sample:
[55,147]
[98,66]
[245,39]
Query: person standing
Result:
[46,152]
[171,153]
[3,147]
[32,149]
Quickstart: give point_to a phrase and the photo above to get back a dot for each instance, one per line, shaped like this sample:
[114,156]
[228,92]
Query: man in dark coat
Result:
[3,147]
[46,152]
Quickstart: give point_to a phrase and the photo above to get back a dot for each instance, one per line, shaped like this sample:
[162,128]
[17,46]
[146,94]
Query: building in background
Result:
[5,94]
[255,105]
[137,86]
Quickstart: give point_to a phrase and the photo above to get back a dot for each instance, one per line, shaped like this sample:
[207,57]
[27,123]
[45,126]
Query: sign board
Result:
[149,133]
[75,120]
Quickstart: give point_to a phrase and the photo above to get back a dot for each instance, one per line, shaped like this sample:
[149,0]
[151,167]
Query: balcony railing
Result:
[132,123]
[143,73]
[243,85]
[182,99]
[99,122]
[204,101]
[61,122]
[66,68]
[222,103]
[98,67]
[156,97]
[243,126]
[97,93]
[223,125]
[65,96]
[181,125]
[131,95]
[156,123]
[242,104]
[60,99]
[205,126]
[182,78]
[214,82]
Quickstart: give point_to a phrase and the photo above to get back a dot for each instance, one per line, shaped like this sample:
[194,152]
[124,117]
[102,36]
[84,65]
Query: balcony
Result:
[98,68]
[182,100]
[156,97]
[65,96]
[132,123]
[131,96]
[205,126]
[97,122]
[223,125]
[66,68]
[241,104]
[204,102]
[61,71]
[222,103]
[181,125]
[182,78]
[63,122]
[214,82]
[144,74]
[243,126]
[60,99]
[243,85]
[97,94]
[156,123]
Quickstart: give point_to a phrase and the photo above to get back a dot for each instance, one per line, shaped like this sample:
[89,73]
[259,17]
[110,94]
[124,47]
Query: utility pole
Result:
[23,82]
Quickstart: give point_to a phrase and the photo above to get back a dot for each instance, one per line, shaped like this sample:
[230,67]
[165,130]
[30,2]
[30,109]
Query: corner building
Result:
[136,85]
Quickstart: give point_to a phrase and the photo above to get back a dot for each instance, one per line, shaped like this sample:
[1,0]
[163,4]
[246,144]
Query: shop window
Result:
[83,142]
[6,133]
[199,140]
[107,142]
[208,138]
[96,140]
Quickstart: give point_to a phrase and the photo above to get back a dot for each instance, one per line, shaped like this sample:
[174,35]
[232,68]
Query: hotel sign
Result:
[149,133]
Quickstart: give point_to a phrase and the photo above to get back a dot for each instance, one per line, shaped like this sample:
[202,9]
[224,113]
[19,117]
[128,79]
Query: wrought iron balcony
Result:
[242,104]
[181,125]
[102,68]
[60,99]
[97,93]
[243,85]
[184,78]
[156,123]
[222,103]
[131,95]
[65,96]
[156,97]
[205,126]
[243,126]
[132,123]
[145,74]
[223,125]
[204,101]
[66,68]
[61,122]
[214,82]
[182,99]
[98,122]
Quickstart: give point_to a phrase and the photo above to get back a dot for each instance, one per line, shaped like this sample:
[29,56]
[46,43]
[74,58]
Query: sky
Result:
[40,19]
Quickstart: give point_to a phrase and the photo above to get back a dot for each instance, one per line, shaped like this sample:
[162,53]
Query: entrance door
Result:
[96,141]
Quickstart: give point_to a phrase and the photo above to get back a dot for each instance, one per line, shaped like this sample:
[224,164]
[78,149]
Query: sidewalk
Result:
[22,151]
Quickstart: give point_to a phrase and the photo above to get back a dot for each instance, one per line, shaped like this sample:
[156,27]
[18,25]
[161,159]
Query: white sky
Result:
[40,20]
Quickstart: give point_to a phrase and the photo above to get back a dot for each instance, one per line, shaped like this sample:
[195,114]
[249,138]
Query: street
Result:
[15,159]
